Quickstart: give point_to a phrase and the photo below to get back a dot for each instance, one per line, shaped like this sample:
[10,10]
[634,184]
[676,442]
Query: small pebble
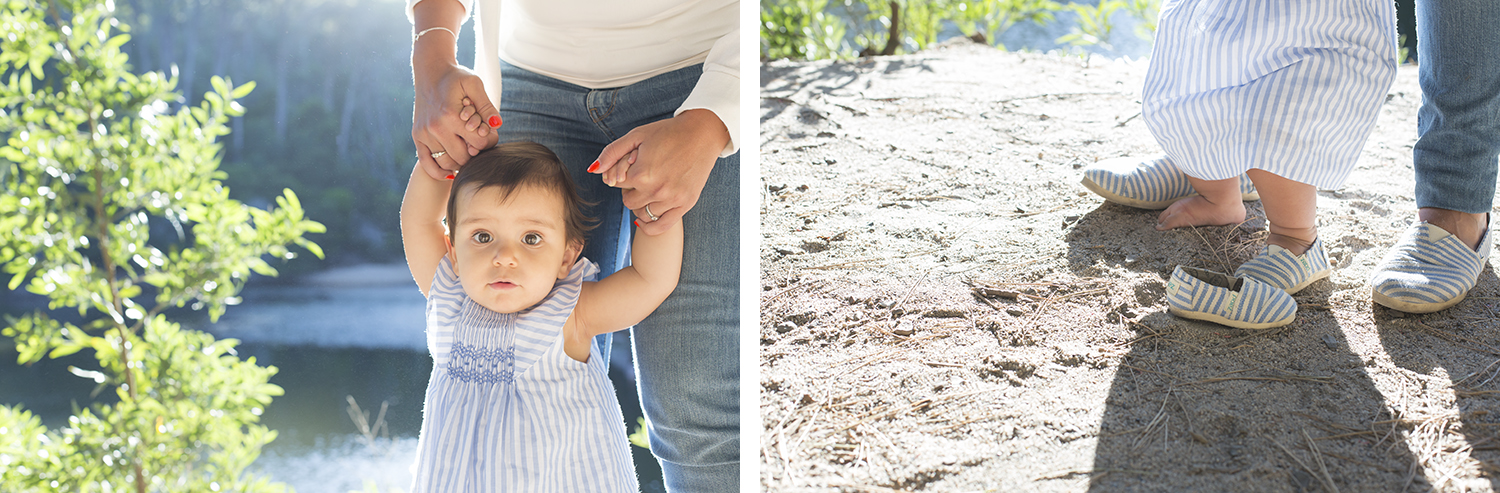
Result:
[785,327]
[1014,312]
[904,330]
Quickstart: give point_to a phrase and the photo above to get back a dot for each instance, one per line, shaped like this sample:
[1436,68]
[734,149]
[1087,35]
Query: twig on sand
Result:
[1490,369]
[1318,457]
[1062,206]
[1161,415]
[1095,472]
[1137,368]
[1326,485]
[1342,430]
[1471,344]
[872,259]
[799,286]
[881,413]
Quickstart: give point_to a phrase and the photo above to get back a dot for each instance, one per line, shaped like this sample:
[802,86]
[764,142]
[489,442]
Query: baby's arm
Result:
[422,233]
[627,296]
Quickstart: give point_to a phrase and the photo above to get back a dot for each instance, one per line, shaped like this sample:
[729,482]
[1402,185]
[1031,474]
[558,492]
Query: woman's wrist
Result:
[707,126]
[431,57]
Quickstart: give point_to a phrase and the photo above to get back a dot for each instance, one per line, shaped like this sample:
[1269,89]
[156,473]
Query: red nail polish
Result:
[450,177]
[494,121]
[637,223]
[594,167]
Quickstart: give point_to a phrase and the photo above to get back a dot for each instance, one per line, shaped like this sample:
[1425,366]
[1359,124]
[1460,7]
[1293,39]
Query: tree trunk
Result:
[346,118]
[190,51]
[283,90]
[894,40]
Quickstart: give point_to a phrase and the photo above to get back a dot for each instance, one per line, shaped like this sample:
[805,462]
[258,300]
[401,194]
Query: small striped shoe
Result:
[1429,269]
[1152,183]
[1239,302]
[1288,272]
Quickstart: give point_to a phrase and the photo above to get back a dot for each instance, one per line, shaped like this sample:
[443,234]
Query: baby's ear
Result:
[453,259]
[570,256]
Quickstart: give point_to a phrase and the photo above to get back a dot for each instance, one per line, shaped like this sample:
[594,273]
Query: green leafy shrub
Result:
[804,29]
[113,208]
[986,20]
[1094,26]
[801,29]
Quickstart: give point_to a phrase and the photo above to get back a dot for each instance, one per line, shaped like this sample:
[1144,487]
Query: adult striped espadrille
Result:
[1239,302]
[1429,269]
[1151,183]
[1279,267]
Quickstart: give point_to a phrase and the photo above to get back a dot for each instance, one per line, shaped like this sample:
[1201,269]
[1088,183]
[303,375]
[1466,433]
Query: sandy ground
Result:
[945,308]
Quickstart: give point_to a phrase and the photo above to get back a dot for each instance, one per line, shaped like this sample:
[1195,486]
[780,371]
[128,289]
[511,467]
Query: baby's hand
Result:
[615,172]
[472,121]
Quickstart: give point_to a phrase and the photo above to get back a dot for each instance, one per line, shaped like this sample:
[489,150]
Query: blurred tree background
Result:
[844,29]
[331,114]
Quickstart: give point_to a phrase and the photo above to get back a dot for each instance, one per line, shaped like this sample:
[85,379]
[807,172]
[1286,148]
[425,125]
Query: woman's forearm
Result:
[437,49]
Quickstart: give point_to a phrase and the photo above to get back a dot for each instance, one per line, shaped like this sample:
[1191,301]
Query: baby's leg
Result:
[1291,210]
[1218,203]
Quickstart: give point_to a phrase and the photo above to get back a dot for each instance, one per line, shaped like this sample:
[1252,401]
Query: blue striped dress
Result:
[507,409]
[1292,87]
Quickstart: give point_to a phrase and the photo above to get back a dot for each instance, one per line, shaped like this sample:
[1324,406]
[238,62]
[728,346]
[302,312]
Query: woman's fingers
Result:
[664,220]
[430,165]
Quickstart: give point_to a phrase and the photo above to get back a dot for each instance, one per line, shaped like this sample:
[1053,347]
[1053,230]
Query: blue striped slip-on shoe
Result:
[1279,267]
[1151,183]
[1239,302]
[1429,269]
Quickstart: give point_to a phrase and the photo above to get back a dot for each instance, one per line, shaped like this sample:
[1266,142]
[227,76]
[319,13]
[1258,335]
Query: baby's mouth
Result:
[503,285]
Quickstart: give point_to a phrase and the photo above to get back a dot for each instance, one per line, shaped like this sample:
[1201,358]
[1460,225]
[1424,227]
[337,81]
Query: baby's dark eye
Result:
[482,236]
[531,239]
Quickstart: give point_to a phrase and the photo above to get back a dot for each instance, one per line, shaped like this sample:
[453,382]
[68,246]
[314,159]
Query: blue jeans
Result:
[687,352]
[1458,126]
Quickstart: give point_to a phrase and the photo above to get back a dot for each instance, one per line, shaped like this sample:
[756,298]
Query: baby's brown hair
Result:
[515,164]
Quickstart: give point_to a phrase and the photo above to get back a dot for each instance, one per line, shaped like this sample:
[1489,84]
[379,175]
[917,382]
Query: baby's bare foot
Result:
[1198,211]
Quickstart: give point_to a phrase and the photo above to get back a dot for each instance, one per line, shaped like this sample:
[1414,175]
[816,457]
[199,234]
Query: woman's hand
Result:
[661,167]
[441,88]
[440,125]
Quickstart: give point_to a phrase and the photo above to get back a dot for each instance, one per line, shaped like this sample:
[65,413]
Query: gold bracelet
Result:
[431,29]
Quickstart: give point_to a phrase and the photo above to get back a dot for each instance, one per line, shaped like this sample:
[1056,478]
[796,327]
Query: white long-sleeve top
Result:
[600,44]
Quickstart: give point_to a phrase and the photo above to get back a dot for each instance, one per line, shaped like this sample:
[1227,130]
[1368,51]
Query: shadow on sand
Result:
[1196,406]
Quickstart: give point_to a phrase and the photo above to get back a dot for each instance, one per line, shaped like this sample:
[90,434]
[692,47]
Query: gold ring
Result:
[439,154]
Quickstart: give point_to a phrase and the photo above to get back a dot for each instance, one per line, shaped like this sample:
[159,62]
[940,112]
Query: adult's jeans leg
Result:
[1458,125]
[687,351]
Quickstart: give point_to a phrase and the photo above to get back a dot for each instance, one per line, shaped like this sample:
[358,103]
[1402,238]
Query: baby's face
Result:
[509,252]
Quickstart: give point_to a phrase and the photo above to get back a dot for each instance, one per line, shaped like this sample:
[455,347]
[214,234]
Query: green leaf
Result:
[116,42]
[243,90]
[64,350]
[311,247]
